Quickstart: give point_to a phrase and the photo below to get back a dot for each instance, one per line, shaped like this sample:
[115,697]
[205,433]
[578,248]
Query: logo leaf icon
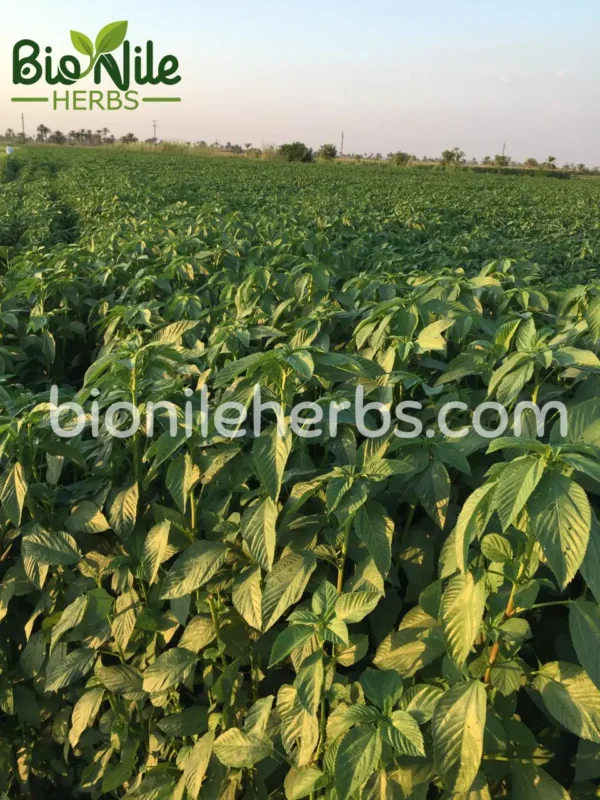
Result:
[82,43]
[111,37]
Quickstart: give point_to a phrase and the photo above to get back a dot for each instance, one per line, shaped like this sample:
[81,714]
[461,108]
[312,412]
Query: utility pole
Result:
[23,125]
[342,147]
[503,149]
[154,123]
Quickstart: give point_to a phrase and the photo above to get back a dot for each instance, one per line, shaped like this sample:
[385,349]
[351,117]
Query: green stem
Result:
[409,521]
[217,627]
[340,577]
[91,66]
[135,439]
[554,603]
[510,606]
[193,511]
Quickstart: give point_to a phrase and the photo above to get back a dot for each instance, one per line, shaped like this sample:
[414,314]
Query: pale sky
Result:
[391,74]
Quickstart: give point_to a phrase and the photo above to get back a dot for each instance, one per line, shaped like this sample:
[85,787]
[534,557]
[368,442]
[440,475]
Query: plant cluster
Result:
[342,617]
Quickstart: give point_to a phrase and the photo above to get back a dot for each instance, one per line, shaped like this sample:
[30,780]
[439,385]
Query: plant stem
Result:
[409,521]
[215,620]
[193,511]
[510,606]
[217,627]
[340,577]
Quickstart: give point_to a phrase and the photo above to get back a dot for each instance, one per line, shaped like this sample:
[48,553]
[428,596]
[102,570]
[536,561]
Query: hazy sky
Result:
[391,74]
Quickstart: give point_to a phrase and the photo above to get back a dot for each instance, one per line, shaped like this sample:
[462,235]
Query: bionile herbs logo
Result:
[140,68]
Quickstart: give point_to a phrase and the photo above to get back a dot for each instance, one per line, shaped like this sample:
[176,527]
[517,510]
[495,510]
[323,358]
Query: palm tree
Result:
[105,132]
[42,133]
[57,137]
[248,145]
[129,138]
[9,134]
[550,162]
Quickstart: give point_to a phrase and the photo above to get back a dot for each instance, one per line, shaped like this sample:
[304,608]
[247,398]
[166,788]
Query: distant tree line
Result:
[44,135]
[292,151]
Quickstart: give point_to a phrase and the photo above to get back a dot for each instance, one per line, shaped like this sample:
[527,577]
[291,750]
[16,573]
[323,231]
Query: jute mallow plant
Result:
[189,615]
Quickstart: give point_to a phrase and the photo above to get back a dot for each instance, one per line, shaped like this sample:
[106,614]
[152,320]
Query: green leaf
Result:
[258,530]
[381,685]
[433,490]
[271,452]
[173,333]
[461,613]
[430,338]
[355,606]
[403,734]
[457,728]
[82,43]
[54,549]
[285,585]
[418,642]
[584,625]
[65,671]
[573,356]
[70,618]
[257,718]
[84,713]
[169,670]
[300,783]
[127,608]
[122,513]
[479,790]
[356,758]
[247,596]
[198,634]
[302,363]
[515,486]
[309,682]
[190,722]
[288,640]
[587,761]
[197,764]
[180,479]
[530,782]
[355,651]
[194,567]
[497,548]
[561,519]
[155,548]
[122,679]
[120,773]
[420,701]
[86,517]
[472,520]
[506,676]
[111,37]
[375,530]
[237,749]
[12,493]
[571,698]
[590,567]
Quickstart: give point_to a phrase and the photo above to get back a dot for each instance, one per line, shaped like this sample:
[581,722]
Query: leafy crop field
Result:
[185,614]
